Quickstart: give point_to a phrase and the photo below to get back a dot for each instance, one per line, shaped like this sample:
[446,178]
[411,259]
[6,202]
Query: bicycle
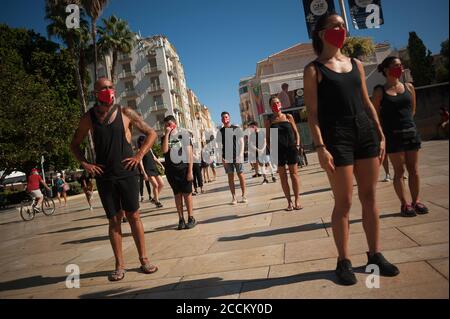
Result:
[28,209]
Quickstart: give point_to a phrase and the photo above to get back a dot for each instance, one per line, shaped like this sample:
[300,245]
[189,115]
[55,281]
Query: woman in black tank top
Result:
[288,145]
[349,139]
[396,104]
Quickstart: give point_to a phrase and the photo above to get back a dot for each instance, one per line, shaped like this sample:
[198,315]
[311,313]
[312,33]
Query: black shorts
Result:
[152,172]
[287,156]
[178,181]
[350,139]
[402,142]
[119,194]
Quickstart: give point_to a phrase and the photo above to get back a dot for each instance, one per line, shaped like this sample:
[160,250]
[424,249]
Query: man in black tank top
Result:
[115,168]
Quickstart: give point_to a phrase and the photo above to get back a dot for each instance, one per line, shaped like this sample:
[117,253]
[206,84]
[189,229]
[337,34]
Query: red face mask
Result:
[336,37]
[226,120]
[172,125]
[276,107]
[106,96]
[396,72]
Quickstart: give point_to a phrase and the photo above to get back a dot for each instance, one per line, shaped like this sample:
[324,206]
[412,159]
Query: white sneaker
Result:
[387,178]
[91,208]
[244,200]
[234,201]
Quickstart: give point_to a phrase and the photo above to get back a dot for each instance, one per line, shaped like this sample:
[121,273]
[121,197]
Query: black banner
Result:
[366,14]
[314,9]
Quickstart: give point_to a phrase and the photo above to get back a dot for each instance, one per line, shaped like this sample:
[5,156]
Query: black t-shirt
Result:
[223,133]
[177,157]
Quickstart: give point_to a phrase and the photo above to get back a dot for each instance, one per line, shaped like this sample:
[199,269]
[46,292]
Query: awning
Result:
[294,80]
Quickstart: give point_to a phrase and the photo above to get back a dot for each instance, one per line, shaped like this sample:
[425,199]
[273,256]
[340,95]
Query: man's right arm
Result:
[81,132]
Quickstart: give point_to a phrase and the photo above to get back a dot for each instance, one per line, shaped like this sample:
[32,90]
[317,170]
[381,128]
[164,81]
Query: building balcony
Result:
[152,70]
[158,108]
[123,58]
[175,91]
[155,90]
[172,72]
[131,94]
[151,53]
[126,75]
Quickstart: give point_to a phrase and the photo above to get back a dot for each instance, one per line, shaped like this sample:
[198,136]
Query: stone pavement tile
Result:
[226,261]
[393,219]
[222,278]
[325,247]
[322,284]
[265,236]
[191,246]
[227,225]
[441,265]
[220,292]
[419,253]
[434,290]
[426,234]
[98,253]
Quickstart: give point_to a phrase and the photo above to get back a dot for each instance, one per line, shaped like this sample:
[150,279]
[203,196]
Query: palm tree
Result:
[115,37]
[94,9]
[76,41]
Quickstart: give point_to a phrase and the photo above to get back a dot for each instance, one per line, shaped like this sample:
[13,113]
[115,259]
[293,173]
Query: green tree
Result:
[359,48]
[94,9]
[115,37]
[442,71]
[421,61]
[76,41]
[39,106]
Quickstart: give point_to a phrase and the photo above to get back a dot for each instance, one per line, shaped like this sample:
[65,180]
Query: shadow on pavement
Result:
[294,229]
[207,288]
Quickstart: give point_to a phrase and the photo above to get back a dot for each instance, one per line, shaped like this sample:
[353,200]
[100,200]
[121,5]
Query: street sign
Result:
[314,9]
[366,14]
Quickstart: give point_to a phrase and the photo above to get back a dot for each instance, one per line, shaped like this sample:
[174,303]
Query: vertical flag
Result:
[314,9]
[258,99]
[366,14]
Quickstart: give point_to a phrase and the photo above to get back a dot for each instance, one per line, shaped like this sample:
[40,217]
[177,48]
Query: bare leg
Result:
[137,229]
[65,198]
[342,184]
[231,184]
[398,162]
[285,185]
[115,237]
[179,204]
[242,183]
[386,165]
[58,194]
[189,204]
[366,173]
[293,170]
[412,165]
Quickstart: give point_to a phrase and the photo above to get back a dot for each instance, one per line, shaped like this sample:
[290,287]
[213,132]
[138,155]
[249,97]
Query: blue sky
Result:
[220,41]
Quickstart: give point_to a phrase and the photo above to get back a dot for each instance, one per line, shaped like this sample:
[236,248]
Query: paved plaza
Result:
[254,250]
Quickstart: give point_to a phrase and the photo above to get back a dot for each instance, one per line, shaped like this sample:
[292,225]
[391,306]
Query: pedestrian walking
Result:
[396,104]
[178,160]
[232,162]
[87,184]
[288,150]
[115,169]
[349,140]
[61,189]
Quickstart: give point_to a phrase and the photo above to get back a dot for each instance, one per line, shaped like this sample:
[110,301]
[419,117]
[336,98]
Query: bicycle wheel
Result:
[48,206]
[26,210]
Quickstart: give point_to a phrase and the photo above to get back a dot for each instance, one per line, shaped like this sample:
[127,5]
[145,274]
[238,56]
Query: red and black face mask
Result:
[225,120]
[396,72]
[336,37]
[106,96]
[276,107]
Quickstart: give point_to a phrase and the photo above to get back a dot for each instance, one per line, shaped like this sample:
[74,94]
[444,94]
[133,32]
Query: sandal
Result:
[117,275]
[289,209]
[300,207]
[147,268]
[158,204]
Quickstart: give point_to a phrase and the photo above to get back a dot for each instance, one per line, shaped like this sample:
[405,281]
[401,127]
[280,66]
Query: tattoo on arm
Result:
[137,121]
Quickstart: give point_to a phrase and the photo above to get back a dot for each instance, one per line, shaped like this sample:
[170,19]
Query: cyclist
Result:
[33,183]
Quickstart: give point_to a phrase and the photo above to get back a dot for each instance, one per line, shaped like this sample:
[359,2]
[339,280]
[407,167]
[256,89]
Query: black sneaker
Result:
[158,204]
[420,208]
[191,223]
[181,224]
[408,211]
[274,179]
[386,268]
[344,272]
